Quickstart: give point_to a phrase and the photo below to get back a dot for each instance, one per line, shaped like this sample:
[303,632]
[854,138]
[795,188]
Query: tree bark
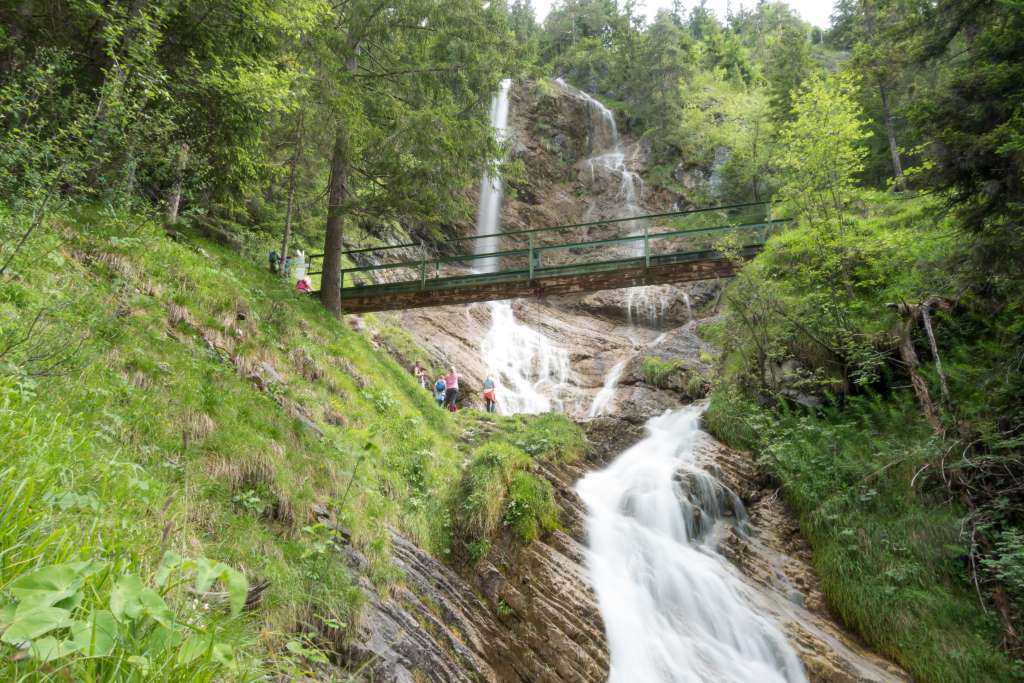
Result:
[890,131]
[909,356]
[927,320]
[337,190]
[291,197]
[174,199]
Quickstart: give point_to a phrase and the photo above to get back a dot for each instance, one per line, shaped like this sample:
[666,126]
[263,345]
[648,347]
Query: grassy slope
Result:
[156,424]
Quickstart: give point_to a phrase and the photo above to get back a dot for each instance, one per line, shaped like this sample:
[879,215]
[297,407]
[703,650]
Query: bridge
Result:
[664,248]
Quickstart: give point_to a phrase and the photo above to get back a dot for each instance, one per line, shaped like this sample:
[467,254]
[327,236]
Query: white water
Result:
[647,305]
[488,214]
[673,608]
[529,368]
[603,399]
[608,157]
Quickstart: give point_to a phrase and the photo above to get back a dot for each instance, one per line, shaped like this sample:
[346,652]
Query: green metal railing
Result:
[536,257]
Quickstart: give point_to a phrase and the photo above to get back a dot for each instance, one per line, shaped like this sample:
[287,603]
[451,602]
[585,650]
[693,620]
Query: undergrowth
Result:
[886,541]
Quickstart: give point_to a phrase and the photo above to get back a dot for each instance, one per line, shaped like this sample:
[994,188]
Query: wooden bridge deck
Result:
[576,266]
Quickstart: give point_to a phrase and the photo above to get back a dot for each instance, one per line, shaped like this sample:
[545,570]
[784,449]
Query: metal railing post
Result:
[531,255]
[423,266]
[647,247]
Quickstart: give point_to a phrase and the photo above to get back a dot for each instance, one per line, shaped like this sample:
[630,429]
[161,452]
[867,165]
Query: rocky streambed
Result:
[530,614]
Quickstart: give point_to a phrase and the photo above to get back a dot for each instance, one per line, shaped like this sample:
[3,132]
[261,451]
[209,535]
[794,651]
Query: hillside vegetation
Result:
[181,429]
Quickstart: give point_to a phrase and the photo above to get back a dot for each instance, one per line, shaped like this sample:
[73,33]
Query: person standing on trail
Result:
[490,401]
[439,390]
[451,389]
[420,373]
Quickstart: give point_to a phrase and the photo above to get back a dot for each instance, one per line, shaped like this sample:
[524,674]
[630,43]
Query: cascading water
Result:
[722,155]
[608,157]
[488,214]
[674,610]
[603,399]
[529,368]
[647,305]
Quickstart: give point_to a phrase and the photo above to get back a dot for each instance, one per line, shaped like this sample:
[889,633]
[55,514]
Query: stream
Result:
[673,610]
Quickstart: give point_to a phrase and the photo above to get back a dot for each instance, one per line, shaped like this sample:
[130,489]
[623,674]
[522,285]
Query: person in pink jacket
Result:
[451,389]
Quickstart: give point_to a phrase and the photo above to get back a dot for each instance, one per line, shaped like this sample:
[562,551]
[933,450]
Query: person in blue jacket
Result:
[439,388]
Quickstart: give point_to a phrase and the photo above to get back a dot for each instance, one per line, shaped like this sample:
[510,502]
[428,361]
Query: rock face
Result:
[524,614]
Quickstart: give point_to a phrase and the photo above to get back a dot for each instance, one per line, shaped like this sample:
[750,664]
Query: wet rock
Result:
[524,614]
[776,561]
[609,436]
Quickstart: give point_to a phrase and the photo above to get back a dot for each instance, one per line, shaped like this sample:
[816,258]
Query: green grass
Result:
[501,488]
[159,426]
[658,370]
[890,555]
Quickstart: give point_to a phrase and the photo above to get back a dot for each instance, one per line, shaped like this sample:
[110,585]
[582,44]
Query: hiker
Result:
[304,285]
[451,389]
[490,402]
[420,373]
[439,391]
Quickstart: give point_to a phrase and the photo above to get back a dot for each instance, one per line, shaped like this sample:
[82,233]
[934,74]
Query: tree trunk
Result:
[337,190]
[890,131]
[174,199]
[291,198]
[909,357]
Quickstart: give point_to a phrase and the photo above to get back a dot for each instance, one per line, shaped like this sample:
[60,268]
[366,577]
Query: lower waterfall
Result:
[529,368]
[674,609]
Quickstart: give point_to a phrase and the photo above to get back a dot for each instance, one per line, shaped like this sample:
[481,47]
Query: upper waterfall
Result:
[488,217]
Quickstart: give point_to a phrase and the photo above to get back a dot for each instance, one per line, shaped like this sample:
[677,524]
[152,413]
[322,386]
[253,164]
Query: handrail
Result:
[554,247]
[554,228]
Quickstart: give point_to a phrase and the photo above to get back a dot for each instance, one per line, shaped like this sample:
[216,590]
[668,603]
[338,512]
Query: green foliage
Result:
[788,67]
[658,370]
[1006,565]
[132,423]
[498,488]
[552,438]
[531,509]
[96,617]
[889,555]
[479,501]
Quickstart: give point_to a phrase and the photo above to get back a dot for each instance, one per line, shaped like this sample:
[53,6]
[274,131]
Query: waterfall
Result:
[674,609]
[647,305]
[604,397]
[607,153]
[722,155]
[488,215]
[528,368]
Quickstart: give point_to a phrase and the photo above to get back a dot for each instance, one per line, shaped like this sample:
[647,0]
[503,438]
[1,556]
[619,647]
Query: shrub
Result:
[531,509]
[480,496]
[657,371]
[553,438]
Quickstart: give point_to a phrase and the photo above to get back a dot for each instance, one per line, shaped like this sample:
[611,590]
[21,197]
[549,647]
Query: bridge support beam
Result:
[537,284]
